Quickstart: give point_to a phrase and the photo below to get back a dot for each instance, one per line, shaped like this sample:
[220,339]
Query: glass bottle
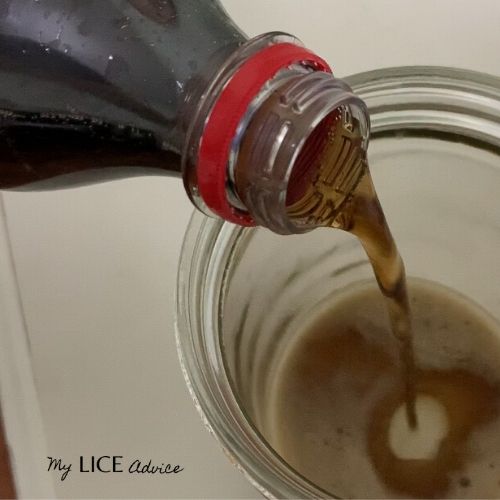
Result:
[93,90]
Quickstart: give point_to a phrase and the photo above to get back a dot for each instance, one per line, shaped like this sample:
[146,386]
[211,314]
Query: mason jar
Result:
[243,293]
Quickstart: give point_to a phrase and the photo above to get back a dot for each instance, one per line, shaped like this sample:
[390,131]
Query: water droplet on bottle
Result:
[116,67]
[121,22]
[54,44]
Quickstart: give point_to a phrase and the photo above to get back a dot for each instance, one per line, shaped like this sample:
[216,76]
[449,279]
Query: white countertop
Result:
[97,265]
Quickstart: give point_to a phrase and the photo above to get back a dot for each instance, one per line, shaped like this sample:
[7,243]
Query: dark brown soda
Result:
[340,194]
[44,151]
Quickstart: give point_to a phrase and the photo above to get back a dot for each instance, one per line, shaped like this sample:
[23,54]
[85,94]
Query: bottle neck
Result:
[258,135]
[290,164]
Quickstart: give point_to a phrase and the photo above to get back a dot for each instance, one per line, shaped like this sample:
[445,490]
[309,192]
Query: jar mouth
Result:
[423,100]
[443,103]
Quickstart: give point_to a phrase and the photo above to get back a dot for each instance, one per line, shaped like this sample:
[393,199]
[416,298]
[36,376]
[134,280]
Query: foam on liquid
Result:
[422,442]
[338,412]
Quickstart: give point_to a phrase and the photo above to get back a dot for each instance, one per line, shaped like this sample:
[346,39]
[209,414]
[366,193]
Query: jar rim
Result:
[442,102]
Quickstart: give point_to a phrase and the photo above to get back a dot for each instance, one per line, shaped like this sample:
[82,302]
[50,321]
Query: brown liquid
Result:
[338,388]
[342,387]
[45,151]
[341,195]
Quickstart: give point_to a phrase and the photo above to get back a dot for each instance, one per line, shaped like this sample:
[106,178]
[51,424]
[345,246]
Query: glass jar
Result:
[242,293]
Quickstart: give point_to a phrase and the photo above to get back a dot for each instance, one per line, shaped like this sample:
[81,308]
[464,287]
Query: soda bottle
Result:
[94,90]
